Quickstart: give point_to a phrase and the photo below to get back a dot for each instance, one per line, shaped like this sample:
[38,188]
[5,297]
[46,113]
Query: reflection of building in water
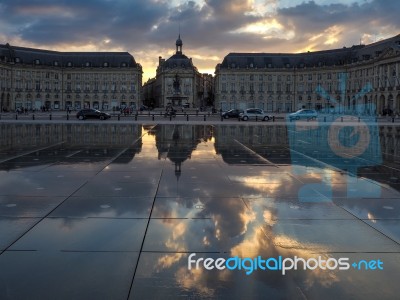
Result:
[232,143]
[74,135]
[388,172]
[177,142]
[390,137]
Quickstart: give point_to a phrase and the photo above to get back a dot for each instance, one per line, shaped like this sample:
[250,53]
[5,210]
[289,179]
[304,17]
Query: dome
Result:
[178,61]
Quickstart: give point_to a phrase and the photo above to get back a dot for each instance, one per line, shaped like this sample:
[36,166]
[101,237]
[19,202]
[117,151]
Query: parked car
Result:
[90,113]
[255,114]
[233,113]
[308,114]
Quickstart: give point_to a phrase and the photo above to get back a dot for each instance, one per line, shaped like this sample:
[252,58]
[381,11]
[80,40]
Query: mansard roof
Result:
[24,55]
[333,57]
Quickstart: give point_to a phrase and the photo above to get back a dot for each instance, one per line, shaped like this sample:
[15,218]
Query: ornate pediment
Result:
[388,52]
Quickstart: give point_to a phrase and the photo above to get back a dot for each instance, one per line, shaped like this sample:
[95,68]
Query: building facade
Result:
[35,79]
[331,80]
[177,82]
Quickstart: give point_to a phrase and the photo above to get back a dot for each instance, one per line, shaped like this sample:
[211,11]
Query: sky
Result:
[210,29]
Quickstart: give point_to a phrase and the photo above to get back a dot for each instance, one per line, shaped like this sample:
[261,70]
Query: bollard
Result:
[135,117]
[197,112]
[204,117]
[325,119]
[359,119]
[187,117]
[119,117]
[153,117]
[393,120]
[170,117]
[256,118]
[160,113]
[273,118]
[222,118]
[67,117]
[341,119]
[50,116]
[149,113]
[33,117]
[16,117]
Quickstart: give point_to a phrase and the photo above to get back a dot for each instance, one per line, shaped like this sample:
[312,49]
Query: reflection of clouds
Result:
[253,245]
[176,240]
[371,217]
[268,218]
[194,279]
[166,261]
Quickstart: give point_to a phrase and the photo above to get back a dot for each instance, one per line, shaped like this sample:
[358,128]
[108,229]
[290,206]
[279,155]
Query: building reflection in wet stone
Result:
[218,191]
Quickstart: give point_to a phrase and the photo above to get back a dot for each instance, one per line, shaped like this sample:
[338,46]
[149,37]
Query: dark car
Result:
[92,114]
[233,113]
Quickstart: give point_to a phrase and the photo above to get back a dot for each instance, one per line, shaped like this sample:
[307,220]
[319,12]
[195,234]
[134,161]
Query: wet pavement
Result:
[113,211]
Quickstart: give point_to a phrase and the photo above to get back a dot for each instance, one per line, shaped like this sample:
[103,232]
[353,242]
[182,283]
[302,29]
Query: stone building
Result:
[177,82]
[35,78]
[330,80]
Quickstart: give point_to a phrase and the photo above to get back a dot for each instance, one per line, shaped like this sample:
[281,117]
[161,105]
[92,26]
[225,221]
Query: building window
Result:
[251,87]
[17,60]
[37,62]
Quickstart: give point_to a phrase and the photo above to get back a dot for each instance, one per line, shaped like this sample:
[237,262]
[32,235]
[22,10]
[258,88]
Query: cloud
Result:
[209,28]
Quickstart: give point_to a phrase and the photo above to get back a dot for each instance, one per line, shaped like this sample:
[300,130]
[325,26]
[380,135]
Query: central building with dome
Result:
[177,82]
